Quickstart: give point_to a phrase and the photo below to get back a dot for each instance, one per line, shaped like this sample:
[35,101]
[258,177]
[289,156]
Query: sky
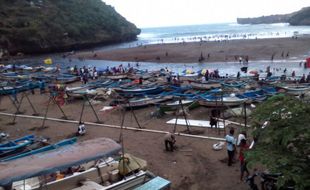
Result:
[157,13]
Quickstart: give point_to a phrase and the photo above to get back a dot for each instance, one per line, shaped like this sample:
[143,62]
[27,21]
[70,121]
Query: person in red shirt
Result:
[243,168]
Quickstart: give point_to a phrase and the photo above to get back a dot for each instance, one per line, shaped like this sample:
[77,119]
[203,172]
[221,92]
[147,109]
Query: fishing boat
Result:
[81,93]
[17,143]
[18,86]
[233,84]
[230,101]
[296,90]
[145,101]
[66,78]
[42,149]
[253,95]
[172,106]
[116,76]
[37,143]
[139,91]
[205,85]
[93,164]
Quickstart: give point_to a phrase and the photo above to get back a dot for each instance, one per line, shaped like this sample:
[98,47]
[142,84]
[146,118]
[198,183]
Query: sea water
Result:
[208,32]
[211,32]
[219,32]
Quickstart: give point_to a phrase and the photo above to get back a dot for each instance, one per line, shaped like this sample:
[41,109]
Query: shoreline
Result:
[207,51]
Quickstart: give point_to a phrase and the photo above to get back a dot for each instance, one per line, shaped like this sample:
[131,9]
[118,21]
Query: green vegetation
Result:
[284,144]
[32,26]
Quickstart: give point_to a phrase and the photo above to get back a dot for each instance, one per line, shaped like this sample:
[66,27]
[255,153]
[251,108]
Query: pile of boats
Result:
[141,88]
[71,165]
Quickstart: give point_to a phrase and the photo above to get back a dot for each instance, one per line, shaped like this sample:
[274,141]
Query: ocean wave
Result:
[280,24]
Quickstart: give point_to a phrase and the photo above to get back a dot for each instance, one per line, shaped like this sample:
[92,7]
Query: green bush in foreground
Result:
[284,144]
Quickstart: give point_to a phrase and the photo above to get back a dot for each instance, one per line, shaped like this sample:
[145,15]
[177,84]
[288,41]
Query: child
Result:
[243,168]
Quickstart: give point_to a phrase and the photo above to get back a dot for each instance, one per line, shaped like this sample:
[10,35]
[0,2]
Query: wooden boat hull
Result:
[219,103]
[205,86]
[17,144]
[134,104]
[296,90]
[188,104]
[116,77]
[139,91]
[42,149]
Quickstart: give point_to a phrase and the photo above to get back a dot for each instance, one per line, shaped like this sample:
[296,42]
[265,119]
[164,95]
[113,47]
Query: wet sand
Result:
[193,166]
[190,52]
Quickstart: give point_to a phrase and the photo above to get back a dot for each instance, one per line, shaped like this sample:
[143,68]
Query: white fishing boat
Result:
[229,101]
[296,90]
[83,165]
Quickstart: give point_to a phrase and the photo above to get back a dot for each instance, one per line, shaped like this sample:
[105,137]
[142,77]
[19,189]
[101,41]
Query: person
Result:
[213,117]
[42,86]
[81,129]
[213,121]
[238,75]
[308,78]
[140,80]
[293,74]
[231,145]
[303,79]
[207,75]
[243,165]
[169,142]
[241,136]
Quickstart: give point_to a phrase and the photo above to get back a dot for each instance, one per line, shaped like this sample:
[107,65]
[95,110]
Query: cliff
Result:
[301,17]
[38,26]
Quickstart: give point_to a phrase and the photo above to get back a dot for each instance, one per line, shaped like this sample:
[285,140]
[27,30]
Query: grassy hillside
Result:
[35,26]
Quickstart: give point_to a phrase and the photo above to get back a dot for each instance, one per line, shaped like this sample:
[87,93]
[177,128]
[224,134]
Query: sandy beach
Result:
[190,52]
[193,166]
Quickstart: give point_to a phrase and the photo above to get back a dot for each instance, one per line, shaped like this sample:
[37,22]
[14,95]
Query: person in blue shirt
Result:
[231,145]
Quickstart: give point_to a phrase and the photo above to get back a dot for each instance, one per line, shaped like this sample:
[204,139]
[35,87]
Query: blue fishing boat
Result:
[139,91]
[139,102]
[66,78]
[43,149]
[17,143]
[225,101]
[18,86]
[253,95]
[234,84]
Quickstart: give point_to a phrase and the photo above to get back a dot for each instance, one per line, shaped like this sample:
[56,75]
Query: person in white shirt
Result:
[241,136]
[81,129]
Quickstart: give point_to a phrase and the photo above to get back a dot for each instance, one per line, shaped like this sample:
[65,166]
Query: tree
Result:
[284,143]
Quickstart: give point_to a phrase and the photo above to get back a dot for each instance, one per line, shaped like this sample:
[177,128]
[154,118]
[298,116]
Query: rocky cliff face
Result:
[37,26]
[301,17]
[264,19]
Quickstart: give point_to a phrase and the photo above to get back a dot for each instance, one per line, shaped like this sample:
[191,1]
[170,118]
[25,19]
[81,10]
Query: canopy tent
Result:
[56,160]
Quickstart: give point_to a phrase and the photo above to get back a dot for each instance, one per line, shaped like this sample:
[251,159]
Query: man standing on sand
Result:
[231,145]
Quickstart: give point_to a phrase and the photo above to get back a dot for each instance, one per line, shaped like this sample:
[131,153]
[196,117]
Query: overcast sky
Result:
[153,13]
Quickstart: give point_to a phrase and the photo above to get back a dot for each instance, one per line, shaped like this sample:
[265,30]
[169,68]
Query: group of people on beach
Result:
[86,73]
